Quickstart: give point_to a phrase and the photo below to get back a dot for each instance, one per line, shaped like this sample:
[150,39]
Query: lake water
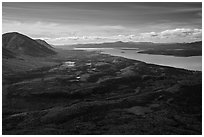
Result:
[190,63]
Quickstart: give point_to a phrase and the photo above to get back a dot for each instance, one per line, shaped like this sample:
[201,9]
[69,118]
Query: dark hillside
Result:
[23,45]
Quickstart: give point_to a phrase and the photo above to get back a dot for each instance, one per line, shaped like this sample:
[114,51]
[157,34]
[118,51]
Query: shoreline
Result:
[103,52]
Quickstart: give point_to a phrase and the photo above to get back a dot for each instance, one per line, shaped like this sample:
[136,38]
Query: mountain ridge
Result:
[43,42]
[23,45]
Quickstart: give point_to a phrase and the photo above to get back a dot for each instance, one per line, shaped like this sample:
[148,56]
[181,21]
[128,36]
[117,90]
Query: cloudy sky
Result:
[74,23]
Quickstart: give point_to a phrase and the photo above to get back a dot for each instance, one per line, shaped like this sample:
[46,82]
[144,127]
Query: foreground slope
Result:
[102,94]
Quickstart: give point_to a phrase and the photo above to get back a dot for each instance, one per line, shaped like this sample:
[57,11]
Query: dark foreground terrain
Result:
[101,94]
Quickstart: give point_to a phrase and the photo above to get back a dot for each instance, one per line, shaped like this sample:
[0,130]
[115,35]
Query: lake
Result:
[190,63]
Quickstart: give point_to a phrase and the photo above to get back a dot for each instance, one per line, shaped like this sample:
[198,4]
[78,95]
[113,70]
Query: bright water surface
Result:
[190,63]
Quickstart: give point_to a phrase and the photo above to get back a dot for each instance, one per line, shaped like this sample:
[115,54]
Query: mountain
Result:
[118,44]
[197,44]
[142,45]
[44,43]
[20,44]
[7,54]
[177,49]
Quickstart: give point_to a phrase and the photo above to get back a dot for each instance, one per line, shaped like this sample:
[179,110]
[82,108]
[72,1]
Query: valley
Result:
[102,68]
[90,97]
[86,92]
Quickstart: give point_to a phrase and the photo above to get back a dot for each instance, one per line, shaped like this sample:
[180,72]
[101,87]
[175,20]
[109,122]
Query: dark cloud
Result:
[104,13]
[101,19]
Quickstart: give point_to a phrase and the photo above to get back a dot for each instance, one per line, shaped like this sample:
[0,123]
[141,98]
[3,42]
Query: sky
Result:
[81,23]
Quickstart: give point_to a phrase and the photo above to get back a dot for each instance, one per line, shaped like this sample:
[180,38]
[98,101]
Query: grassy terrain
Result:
[112,95]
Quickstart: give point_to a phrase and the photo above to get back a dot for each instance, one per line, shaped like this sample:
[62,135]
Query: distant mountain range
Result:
[174,49]
[14,44]
[142,45]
